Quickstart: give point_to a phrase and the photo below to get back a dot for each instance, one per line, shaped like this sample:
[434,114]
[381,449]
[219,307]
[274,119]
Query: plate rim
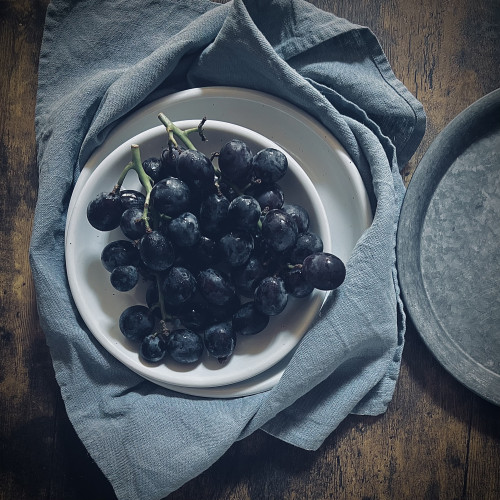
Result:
[472,123]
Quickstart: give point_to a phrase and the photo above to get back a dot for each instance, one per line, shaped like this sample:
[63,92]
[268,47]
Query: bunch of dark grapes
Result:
[220,248]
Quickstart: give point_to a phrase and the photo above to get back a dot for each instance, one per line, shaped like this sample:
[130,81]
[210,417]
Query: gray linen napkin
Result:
[100,60]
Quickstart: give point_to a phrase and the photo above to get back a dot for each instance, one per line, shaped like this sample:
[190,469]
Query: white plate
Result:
[100,305]
[316,150]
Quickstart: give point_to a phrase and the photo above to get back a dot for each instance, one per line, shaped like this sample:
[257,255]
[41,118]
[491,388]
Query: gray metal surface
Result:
[448,247]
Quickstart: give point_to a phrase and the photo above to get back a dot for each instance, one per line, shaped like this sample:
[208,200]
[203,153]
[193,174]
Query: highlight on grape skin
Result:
[218,243]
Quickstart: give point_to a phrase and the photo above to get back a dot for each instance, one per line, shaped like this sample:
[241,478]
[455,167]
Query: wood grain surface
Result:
[436,441]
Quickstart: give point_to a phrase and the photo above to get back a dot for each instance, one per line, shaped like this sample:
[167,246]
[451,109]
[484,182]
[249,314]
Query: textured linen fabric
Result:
[102,59]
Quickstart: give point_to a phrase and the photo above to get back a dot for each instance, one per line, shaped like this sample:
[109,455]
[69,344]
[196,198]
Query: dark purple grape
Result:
[215,287]
[145,272]
[270,296]
[153,347]
[132,224]
[184,346]
[152,167]
[220,340]
[196,170]
[203,254]
[220,313]
[244,212]
[156,251]
[235,162]
[169,157]
[324,271]
[247,277]
[236,247]
[136,322]
[279,230]
[124,278]
[269,165]
[307,243]
[104,211]
[269,196]
[119,253]
[178,285]
[271,259]
[171,196]
[184,230]
[131,198]
[227,189]
[295,283]
[248,320]
[196,316]
[213,214]
[299,214]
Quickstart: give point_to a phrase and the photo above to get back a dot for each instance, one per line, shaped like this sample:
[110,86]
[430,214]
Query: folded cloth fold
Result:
[101,60]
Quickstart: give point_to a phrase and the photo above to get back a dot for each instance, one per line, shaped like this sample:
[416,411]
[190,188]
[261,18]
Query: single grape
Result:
[324,271]
[132,224]
[178,285]
[196,170]
[171,196]
[269,165]
[235,162]
[156,251]
[244,212]
[152,167]
[224,312]
[295,283]
[271,259]
[269,196]
[130,198]
[215,286]
[203,254]
[169,157]
[184,230]
[299,214]
[248,320]
[124,278]
[196,316]
[247,277]
[279,230]
[136,322]
[307,243]
[270,296]
[220,340]
[184,346]
[214,214]
[104,211]
[153,347]
[119,253]
[236,247]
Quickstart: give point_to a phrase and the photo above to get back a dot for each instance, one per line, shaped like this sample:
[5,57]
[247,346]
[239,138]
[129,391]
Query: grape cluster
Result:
[219,246]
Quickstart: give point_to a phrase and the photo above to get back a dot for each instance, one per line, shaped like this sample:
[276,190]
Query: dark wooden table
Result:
[437,439]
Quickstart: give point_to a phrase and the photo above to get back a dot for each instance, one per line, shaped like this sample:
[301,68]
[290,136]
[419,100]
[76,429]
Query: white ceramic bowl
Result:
[100,305]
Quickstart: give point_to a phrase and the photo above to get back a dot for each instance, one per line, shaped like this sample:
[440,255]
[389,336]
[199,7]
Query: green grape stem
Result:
[173,130]
[145,181]
[125,171]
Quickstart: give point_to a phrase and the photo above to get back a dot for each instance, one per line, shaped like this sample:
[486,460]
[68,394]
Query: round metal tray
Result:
[448,247]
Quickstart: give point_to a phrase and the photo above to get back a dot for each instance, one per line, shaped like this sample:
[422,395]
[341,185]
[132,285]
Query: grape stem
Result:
[124,173]
[161,300]
[173,130]
[144,178]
